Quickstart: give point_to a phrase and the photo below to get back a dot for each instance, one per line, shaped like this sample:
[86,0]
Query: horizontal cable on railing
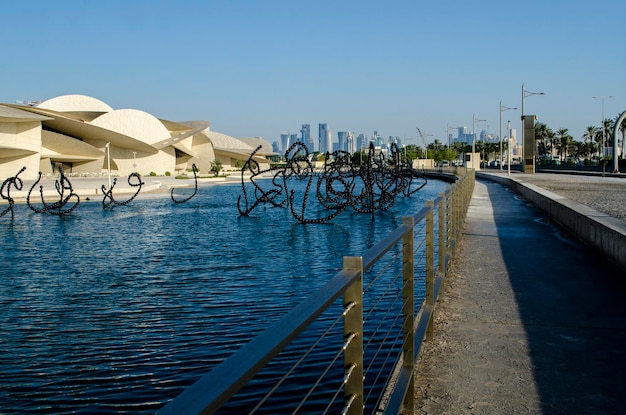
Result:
[391,326]
[385,366]
[386,266]
[372,255]
[382,296]
[348,404]
[391,385]
[325,372]
[399,334]
[346,377]
[417,247]
[372,336]
[347,308]
[304,356]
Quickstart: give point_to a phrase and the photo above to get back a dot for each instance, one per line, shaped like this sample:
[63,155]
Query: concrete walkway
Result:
[529,321]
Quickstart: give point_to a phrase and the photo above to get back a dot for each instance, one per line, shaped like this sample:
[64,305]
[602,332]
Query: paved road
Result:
[529,321]
[604,194]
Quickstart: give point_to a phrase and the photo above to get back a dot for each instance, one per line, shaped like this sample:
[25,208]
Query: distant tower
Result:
[361,142]
[342,138]
[306,137]
[329,142]
[350,144]
[323,129]
[284,141]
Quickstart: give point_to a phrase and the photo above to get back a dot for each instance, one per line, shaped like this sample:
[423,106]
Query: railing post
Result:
[408,310]
[430,260]
[449,225]
[441,235]
[456,197]
[353,338]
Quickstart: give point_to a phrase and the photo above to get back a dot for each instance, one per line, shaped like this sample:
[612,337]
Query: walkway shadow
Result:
[572,304]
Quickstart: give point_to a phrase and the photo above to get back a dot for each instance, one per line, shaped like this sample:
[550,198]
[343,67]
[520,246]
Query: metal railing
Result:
[427,243]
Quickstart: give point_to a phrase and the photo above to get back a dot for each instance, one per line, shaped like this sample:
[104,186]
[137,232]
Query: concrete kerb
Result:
[602,232]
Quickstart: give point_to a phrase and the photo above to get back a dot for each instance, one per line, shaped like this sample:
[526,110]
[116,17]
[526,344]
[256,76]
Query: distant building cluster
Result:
[85,136]
[346,141]
[465,137]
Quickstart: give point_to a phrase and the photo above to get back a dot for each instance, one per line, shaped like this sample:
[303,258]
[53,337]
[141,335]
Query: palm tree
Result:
[563,142]
[588,138]
[543,134]
[603,134]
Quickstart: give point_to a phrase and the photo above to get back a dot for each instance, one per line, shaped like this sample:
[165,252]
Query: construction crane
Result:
[423,136]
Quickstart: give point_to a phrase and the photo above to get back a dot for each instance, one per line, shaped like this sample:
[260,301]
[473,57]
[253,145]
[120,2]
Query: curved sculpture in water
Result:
[109,201]
[343,182]
[195,177]
[5,191]
[68,199]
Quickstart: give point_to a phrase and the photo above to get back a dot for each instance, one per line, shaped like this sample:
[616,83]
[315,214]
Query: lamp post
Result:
[508,153]
[108,147]
[526,94]
[503,108]
[603,131]
[135,161]
[474,121]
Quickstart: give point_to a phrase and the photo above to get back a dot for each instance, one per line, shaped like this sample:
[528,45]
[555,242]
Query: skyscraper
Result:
[305,131]
[329,142]
[284,141]
[350,144]
[361,143]
[322,133]
[342,137]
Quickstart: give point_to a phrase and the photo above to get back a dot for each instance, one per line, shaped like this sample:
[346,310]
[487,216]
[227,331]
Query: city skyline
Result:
[258,69]
[460,134]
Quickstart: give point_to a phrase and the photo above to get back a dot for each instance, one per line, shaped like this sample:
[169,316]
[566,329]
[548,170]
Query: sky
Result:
[260,68]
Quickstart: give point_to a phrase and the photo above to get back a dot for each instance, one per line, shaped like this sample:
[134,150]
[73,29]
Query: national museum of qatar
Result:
[79,133]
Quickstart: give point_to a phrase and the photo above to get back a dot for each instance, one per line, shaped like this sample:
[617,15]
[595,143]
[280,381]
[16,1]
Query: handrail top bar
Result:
[374,253]
[210,392]
[421,214]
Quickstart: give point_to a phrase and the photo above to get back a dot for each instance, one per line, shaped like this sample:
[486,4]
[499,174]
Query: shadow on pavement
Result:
[572,305]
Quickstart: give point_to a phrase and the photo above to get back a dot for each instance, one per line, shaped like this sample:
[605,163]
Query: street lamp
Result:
[474,121]
[108,147]
[526,94]
[508,153]
[603,131]
[503,108]
[135,161]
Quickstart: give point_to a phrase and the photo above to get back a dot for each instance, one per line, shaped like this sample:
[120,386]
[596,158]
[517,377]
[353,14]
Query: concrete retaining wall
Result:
[602,232]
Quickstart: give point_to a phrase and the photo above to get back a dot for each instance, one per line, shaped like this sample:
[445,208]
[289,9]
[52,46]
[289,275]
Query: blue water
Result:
[117,310]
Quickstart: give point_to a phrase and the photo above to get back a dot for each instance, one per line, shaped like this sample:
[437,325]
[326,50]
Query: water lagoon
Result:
[116,310]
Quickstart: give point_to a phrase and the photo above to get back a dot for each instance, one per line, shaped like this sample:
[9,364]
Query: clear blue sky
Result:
[257,68]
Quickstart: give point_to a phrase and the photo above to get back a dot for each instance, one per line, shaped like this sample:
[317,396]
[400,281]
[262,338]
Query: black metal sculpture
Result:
[5,191]
[342,183]
[109,201]
[67,197]
[195,177]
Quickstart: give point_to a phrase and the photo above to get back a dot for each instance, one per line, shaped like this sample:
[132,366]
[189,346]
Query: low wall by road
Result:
[602,232]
